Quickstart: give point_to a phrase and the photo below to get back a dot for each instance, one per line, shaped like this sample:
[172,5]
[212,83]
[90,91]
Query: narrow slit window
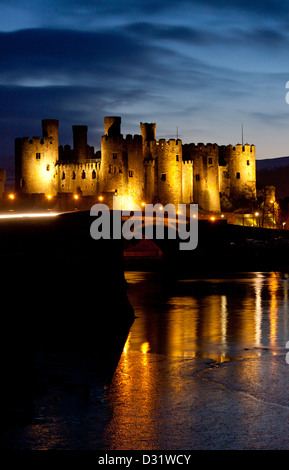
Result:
[238,175]
[164,177]
[197,177]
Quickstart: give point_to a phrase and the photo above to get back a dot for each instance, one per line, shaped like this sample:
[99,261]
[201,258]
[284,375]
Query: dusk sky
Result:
[204,67]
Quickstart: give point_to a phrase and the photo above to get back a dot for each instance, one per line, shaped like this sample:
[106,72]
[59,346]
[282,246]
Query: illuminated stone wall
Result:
[135,169]
[224,181]
[168,156]
[35,161]
[205,175]
[187,181]
[241,168]
[121,170]
[78,178]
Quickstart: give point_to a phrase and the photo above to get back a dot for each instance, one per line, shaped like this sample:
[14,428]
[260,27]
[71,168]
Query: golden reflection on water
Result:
[273,288]
[191,324]
[230,319]
[134,400]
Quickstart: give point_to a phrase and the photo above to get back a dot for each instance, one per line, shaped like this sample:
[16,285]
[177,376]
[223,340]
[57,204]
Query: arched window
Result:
[83,176]
[93,174]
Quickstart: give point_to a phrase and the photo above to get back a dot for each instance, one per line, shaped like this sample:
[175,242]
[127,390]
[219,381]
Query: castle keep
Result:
[136,168]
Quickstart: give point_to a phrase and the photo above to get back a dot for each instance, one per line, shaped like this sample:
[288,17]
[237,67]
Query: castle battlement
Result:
[113,138]
[149,162]
[201,145]
[77,164]
[238,148]
[135,137]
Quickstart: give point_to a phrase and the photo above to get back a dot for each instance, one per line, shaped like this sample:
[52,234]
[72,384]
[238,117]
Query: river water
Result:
[204,367]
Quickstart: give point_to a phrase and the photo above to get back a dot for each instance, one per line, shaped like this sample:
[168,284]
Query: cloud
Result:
[61,52]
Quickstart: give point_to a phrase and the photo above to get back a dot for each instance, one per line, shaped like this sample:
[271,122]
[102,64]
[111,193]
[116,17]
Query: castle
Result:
[139,169]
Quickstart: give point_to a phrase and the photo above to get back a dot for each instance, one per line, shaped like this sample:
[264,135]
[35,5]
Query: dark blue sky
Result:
[204,67]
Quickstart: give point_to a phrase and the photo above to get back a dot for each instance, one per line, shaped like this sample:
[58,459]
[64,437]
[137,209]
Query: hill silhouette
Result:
[274,172]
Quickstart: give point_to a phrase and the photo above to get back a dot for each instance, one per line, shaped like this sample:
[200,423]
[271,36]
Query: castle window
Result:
[177,158]
[93,175]
[37,156]
[210,161]
[163,177]
[109,168]
[47,167]
[114,156]
[197,177]
[83,175]
[73,175]
[248,162]
[63,175]
[114,169]
[238,175]
[120,170]
[130,173]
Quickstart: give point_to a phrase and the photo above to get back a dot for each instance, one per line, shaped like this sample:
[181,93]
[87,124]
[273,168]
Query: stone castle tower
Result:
[136,168]
[35,160]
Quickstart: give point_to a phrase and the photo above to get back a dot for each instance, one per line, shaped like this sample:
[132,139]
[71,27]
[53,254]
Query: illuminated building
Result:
[138,169]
